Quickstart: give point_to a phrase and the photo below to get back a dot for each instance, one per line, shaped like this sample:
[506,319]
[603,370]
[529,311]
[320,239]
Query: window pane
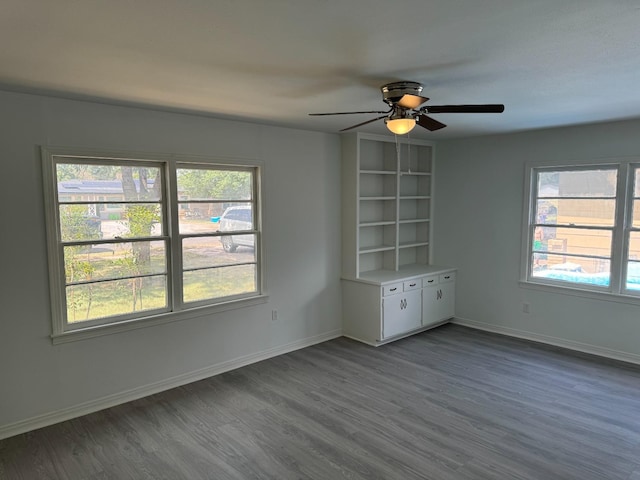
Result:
[130,220]
[633,276]
[200,252]
[119,297]
[577,183]
[87,182]
[592,212]
[219,282]
[207,184]
[113,260]
[576,241]
[583,270]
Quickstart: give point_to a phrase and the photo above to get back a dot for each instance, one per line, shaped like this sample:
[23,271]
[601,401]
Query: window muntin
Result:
[113,255]
[584,227]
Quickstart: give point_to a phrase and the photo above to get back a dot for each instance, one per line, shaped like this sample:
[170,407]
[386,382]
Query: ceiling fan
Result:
[406,111]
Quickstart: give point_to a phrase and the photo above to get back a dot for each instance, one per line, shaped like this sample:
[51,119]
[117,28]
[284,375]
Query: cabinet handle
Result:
[393,289]
[412,284]
[447,277]
[429,281]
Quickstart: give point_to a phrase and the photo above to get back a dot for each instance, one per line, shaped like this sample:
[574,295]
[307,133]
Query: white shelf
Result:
[378,172]
[383,198]
[377,224]
[414,220]
[415,197]
[417,174]
[377,248]
[413,244]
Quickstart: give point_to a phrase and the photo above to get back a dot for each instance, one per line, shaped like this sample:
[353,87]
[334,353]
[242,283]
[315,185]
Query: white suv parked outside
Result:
[234,219]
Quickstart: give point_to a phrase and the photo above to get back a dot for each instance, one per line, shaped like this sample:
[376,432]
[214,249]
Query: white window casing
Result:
[135,240]
[579,235]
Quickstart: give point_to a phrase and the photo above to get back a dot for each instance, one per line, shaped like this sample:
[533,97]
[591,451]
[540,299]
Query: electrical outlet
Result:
[274,315]
[525,307]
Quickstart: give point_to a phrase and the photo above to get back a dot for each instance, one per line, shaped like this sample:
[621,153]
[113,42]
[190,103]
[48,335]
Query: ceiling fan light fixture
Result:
[400,126]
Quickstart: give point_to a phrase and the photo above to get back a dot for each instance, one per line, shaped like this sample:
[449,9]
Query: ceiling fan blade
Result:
[429,123]
[488,108]
[411,101]
[346,113]
[363,123]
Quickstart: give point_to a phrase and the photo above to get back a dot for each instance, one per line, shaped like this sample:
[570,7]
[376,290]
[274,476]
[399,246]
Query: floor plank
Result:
[451,403]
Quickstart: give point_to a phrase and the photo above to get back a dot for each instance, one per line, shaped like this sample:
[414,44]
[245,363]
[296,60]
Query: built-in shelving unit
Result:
[387,184]
[390,290]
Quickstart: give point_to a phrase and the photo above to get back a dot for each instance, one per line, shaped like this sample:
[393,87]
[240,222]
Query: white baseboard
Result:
[558,342]
[109,401]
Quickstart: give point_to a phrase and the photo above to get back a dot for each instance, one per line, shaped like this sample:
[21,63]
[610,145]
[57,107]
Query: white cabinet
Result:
[438,298]
[383,306]
[401,313]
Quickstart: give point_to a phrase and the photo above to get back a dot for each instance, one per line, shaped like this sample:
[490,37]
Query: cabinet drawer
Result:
[430,280]
[391,289]
[412,285]
[447,277]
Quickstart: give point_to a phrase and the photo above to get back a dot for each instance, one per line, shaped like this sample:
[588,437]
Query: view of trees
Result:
[214,184]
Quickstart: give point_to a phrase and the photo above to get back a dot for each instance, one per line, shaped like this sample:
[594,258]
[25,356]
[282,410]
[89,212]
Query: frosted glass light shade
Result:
[400,126]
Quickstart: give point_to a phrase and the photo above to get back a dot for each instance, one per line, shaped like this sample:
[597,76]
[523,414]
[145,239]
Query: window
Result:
[125,249]
[583,228]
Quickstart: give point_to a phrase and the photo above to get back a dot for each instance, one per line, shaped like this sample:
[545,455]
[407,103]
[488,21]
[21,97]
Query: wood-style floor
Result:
[451,403]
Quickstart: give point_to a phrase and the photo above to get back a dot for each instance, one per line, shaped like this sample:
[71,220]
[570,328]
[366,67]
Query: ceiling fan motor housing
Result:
[393,92]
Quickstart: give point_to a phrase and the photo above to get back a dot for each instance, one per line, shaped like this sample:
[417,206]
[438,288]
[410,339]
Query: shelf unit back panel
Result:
[413,234]
[377,156]
[415,209]
[413,256]
[416,158]
[415,185]
[377,185]
[377,211]
[377,237]
[370,262]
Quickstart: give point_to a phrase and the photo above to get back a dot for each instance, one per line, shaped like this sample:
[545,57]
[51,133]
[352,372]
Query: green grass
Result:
[106,299]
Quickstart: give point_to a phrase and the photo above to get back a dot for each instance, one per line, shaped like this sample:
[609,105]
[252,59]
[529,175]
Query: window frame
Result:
[176,309]
[622,226]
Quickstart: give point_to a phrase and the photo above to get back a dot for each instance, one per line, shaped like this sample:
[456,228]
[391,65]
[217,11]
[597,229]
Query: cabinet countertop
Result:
[381,277]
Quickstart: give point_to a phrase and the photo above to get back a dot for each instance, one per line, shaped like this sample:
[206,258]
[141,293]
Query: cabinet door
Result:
[438,303]
[401,313]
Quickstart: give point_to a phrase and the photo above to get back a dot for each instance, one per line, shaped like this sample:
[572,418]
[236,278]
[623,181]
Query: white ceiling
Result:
[551,62]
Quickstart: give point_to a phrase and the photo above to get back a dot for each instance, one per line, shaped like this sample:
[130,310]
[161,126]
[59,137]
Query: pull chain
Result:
[398,154]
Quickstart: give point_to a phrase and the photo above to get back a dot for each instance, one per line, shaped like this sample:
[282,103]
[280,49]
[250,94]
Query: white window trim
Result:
[616,292]
[56,281]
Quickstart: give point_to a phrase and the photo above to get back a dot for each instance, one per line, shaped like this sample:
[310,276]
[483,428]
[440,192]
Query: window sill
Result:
[581,292]
[111,328]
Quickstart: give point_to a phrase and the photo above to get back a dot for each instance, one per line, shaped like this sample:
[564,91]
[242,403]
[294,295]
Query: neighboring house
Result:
[109,196]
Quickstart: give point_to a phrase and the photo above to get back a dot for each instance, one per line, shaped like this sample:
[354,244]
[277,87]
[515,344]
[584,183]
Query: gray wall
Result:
[478,224]
[302,239]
